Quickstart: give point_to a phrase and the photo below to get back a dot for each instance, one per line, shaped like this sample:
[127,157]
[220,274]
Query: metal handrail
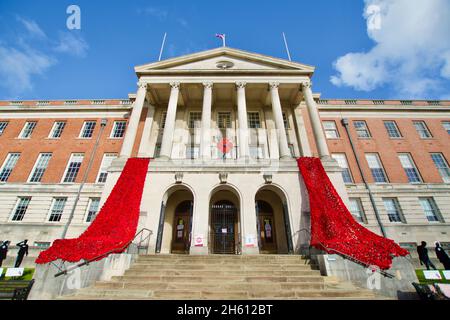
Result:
[121,249]
[346,256]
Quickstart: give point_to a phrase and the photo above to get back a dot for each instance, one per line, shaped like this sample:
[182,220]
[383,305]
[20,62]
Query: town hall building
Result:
[223,129]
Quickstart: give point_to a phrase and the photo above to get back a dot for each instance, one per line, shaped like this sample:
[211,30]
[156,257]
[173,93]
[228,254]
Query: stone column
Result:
[144,148]
[133,123]
[242,118]
[169,127]
[316,124]
[205,139]
[285,153]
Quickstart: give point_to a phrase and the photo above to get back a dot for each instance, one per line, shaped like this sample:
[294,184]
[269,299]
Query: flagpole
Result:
[287,48]
[162,46]
[223,40]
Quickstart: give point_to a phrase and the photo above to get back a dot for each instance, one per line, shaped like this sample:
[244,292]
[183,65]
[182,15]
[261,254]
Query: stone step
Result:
[221,272]
[175,294]
[215,279]
[119,285]
[202,265]
[223,257]
[228,266]
[223,262]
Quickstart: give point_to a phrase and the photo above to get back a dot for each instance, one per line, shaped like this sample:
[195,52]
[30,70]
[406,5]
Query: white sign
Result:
[198,240]
[432,274]
[250,240]
[14,272]
[446,274]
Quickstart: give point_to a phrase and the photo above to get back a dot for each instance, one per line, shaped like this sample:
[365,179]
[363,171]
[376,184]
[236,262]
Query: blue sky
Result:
[376,49]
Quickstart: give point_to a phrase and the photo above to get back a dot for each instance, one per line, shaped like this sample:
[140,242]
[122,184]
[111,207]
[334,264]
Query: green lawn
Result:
[422,280]
[27,275]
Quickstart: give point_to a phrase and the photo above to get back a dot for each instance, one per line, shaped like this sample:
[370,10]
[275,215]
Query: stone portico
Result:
[248,198]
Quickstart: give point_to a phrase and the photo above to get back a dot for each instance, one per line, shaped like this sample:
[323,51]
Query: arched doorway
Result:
[273,225]
[224,223]
[182,222]
[266,227]
[175,226]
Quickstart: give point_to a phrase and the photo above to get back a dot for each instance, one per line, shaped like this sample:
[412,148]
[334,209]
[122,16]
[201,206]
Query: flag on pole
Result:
[221,36]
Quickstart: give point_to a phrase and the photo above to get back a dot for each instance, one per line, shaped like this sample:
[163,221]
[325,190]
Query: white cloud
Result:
[72,43]
[32,27]
[17,66]
[32,53]
[411,52]
[160,14]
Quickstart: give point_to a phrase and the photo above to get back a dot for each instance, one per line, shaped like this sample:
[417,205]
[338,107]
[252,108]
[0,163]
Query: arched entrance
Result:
[224,227]
[182,222]
[175,227]
[272,218]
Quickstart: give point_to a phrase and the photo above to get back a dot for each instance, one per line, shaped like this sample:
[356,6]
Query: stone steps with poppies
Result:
[222,277]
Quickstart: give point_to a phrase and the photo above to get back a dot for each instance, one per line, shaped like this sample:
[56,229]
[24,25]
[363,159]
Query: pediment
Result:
[222,59]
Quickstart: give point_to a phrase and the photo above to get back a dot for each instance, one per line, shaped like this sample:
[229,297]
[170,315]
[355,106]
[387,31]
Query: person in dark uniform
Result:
[423,256]
[4,251]
[442,256]
[23,250]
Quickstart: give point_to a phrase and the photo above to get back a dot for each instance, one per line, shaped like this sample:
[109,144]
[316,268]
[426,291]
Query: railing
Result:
[131,248]
[345,256]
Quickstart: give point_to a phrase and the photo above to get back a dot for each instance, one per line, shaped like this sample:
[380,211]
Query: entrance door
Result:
[182,228]
[223,227]
[266,228]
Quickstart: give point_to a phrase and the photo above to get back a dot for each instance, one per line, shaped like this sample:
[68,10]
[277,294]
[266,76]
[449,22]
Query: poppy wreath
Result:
[333,226]
[115,224]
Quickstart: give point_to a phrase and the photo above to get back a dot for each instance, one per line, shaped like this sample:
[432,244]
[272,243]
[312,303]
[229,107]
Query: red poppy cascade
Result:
[115,224]
[333,226]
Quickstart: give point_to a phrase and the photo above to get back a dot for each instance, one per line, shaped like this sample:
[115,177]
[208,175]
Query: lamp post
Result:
[72,212]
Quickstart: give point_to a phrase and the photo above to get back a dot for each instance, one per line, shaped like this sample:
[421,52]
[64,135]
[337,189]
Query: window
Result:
[3,125]
[253,120]
[392,129]
[342,161]
[422,129]
[163,119]
[430,209]
[73,167]
[195,120]
[393,209]
[118,129]
[224,120]
[256,152]
[39,167]
[285,120]
[57,129]
[157,151]
[446,125]
[27,130]
[330,129]
[57,209]
[93,207]
[8,166]
[361,129]
[409,167]
[106,163]
[192,151]
[21,208]
[356,209]
[440,163]
[376,168]
[88,129]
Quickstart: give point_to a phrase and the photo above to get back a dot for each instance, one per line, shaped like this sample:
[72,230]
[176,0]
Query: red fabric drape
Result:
[334,226]
[115,224]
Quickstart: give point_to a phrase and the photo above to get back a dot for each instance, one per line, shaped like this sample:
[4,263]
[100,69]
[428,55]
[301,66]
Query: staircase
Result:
[222,277]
